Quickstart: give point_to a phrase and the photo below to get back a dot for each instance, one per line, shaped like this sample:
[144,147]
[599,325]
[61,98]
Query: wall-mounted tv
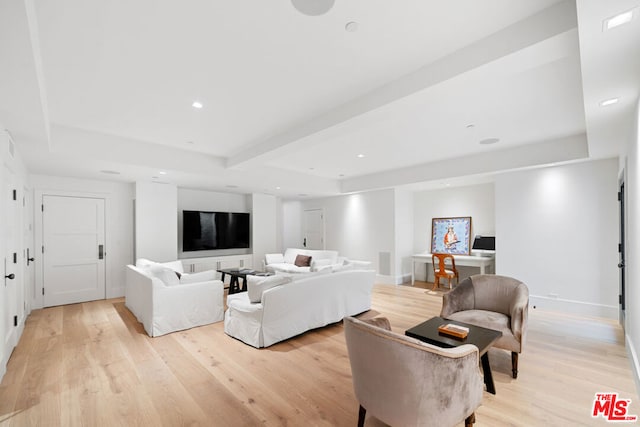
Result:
[203,231]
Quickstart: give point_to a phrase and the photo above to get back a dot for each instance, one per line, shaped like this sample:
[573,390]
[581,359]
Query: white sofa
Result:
[320,260]
[306,302]
[163,303]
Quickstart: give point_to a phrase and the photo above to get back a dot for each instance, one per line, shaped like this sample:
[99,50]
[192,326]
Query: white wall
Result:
[557,231]
[119,224]
[291,224]
[404,220]
[156,221]
[212,201]
[632,189]
[359,226]
[476,201]
[263,227]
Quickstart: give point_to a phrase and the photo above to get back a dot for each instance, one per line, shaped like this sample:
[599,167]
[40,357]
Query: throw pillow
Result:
[164,274]
[318,264]
[256,285]
[203,276]
[274,258]
[144,263]
[174,265]
[302,261]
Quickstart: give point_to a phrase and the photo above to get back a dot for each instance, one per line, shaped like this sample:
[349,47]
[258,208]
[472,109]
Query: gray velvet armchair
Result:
[405,382]
[494,302]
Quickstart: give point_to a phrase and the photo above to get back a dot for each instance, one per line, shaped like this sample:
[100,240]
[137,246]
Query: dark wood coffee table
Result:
[482,338]
[235,274]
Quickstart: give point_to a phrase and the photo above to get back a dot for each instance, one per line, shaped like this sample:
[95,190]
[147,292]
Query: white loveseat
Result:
[320,260]
[164,303]
[305,302]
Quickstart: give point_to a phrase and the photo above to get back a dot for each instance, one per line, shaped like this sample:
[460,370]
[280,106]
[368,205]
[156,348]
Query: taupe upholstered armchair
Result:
[406,382]
[494,302]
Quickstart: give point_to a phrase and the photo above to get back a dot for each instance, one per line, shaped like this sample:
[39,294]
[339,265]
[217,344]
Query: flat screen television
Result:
[203,231]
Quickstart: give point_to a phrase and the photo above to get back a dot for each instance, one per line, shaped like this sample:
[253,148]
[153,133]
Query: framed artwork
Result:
[451,235]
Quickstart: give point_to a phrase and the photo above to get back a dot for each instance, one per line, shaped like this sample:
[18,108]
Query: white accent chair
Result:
[163,303]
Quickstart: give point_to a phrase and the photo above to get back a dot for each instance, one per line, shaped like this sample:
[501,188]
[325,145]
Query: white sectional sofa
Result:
[296,304]
[164,303]
[320,260]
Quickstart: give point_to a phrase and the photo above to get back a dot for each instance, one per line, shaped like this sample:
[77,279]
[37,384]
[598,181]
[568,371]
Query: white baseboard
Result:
[574,307]
[393,280]
[633,356]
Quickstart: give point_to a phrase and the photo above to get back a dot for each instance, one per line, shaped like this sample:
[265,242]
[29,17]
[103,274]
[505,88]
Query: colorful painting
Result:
[451,235]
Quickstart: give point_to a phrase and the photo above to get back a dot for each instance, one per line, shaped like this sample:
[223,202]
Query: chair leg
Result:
[361,414]
[468,422]
[436,283]
[514,364]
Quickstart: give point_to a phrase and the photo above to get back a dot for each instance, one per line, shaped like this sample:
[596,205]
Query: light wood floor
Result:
[92,364]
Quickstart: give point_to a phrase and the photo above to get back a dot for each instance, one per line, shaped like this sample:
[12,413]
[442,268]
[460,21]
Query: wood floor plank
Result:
[93,364]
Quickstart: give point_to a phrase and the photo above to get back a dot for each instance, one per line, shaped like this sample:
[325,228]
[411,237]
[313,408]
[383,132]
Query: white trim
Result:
[574,307]
[393,280]
[633,356]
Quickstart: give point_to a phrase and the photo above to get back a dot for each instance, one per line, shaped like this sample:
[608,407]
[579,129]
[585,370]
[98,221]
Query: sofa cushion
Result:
[491,320]
[274,258]
[203,276]
[302,261]
[164,274]
[318,264]
[256,285]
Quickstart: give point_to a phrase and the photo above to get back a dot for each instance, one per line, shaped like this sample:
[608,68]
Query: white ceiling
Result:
[290,100]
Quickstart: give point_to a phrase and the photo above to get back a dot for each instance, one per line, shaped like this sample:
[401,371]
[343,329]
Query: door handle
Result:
[10,276]
[304,242]
[621,265]
[29,258]
[100,251]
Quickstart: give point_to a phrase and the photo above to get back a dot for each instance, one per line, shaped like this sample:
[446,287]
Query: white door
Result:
[73,249]
[10,258]
[313,229]
[28,261]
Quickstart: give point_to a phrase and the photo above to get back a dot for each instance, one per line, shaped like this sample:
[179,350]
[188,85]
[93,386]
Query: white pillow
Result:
[317,264]
[144,263]
[273,258]
[165,274]
[174,265]
[203,276]
[336,268]
[256,285]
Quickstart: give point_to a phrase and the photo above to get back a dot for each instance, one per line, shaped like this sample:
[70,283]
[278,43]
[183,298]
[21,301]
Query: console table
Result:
[483,262]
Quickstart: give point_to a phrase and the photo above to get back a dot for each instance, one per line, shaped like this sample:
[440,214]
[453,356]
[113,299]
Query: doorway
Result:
[313,229]
[621,255]
[73,250]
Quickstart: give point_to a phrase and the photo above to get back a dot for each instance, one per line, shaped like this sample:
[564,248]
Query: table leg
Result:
[234,285]
[488,377]
[413,274]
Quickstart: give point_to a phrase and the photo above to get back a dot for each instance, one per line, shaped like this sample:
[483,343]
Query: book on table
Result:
[454,330]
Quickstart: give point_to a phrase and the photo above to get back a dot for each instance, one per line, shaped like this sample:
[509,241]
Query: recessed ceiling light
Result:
[312,169]
[162,173]
[190,142]
[489,141]
[341,175]
[470,125]
[277,188]
[360,156]
[351,27]
[197,104]
[110,172]
[609,101]
[619,19]
[313,7]
[154,177]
